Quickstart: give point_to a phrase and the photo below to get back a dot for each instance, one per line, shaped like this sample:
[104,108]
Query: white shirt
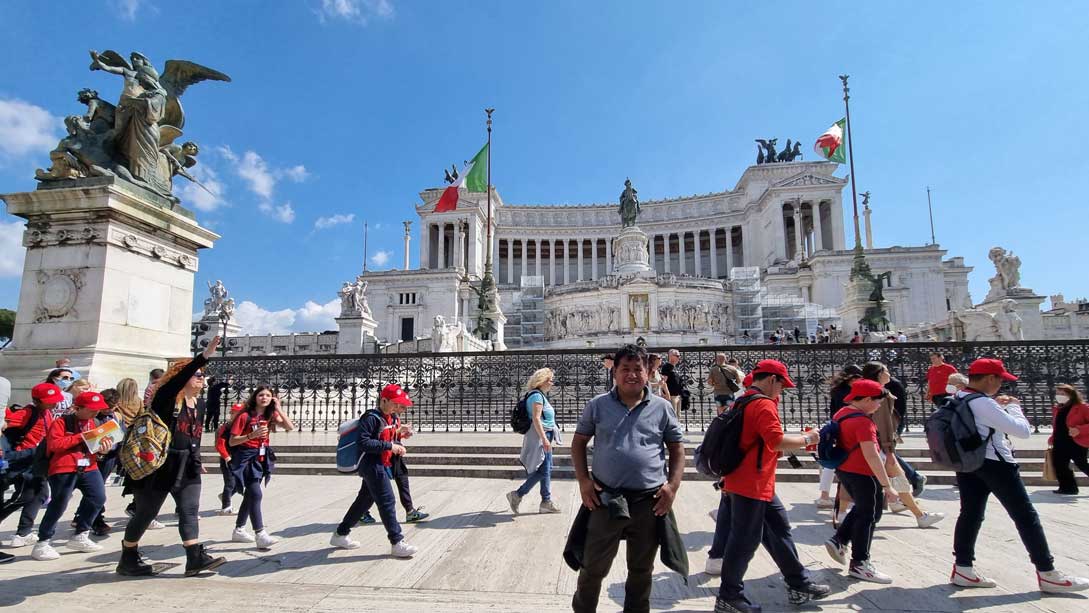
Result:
[1006,420]
[5,396]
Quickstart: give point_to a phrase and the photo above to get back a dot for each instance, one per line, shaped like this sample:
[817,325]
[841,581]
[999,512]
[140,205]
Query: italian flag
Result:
[474,178]
[830,144]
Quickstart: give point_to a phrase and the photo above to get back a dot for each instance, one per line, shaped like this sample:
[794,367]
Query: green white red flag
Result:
[830,144]
[474,178]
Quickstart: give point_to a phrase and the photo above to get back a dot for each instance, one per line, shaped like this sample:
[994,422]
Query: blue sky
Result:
[343,110]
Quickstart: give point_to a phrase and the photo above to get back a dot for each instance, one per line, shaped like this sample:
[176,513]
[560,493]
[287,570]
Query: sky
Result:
[341,111]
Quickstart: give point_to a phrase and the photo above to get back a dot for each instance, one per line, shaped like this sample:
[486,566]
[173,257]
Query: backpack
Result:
[952,436]
[16,435]
[145,446]
[520,421]
[349,453]
[720,453]
[830,454]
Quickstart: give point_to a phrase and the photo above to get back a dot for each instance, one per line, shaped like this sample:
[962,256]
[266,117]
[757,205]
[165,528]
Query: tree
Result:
[7,326]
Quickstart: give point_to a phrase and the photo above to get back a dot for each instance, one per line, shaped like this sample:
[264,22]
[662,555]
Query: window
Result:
[406,298]
[279,347]
[408,328]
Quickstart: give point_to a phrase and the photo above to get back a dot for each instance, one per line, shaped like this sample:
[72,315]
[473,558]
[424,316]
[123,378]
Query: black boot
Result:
[197,560]
[132,565]
[100,527]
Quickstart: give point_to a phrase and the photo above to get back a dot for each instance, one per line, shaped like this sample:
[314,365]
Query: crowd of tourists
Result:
[52,447]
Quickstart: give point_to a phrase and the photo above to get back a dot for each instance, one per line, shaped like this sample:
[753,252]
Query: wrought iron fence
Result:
[474,392]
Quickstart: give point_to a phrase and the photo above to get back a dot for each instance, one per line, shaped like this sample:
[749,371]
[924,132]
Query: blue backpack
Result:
[830,454]
[348,451]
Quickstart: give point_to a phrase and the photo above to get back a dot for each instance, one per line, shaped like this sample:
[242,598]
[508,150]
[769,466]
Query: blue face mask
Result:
[64,384]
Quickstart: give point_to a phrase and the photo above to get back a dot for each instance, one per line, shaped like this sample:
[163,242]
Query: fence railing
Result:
[474,392]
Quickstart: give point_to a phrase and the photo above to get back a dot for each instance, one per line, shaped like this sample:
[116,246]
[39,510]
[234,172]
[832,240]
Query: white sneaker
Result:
[225,511]
[82,542]
[866,572]
[21,541]
[44,551]
[713,514]
[343,541]
[836,551]
[713,567]
[513,499]
[897,507]
[966,576]
[547,506]
[402,550]
[824,503]
[929,519]
[241,535]
[1058,581]
[155,525]
[265,540]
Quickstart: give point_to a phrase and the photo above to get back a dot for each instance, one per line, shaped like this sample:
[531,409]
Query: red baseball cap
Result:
[396,394]
[747,381]
[238,406]
[91,400]
[46,393]
[864,388]
[990,366]
[773,367]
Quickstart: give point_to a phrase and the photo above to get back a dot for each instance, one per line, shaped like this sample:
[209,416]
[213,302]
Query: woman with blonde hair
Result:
[537,444]
[129,402]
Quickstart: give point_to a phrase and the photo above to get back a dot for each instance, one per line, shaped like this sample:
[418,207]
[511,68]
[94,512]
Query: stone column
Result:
[714,253]
[551,262]
[680,253]
[458,244]
[579,242]
[566,263]
[799,248]
[818,233]
[608,256]
[539,272]
[697,268]
[408,237]
[593,260]
[442,246]
[510,261]
[425,244]
[729,250]
[665,254]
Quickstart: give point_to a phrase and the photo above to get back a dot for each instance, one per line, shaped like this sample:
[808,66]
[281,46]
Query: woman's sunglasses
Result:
[198,375]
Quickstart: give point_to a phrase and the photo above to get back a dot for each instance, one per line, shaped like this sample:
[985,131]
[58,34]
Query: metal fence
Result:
[474,392]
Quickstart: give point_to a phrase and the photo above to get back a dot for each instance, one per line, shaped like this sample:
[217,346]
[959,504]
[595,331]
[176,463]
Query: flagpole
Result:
[488,234]
[930,207]
[851,159]
[364,247]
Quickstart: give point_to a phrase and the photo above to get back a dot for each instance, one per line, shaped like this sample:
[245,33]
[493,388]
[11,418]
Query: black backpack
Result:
[520,421]
[17,434]
[720,453]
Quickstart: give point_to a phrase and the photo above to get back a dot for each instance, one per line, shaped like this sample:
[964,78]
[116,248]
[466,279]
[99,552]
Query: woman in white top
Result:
[656,380]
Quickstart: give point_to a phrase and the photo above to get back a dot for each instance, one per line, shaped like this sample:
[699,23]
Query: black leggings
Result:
[1063,454]
[147,502]
[857,527]
[251,507]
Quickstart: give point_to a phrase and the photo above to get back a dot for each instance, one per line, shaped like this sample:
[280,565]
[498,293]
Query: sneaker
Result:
[6,557]
[265,540]
[416,515]
[21,541]
[547,506]
[809,591]
[737,605]
[514,500]
[343,541]
[1058,581]
[367,519]
[897,507]
[919,486]
[824,503]
[837,551]
[44,551]
[225,511]
[929,519]
[866,572]
[713,514]
[225,507]
[966,576]
[402,550]
[82,542]
[155,525]
[100,527]
[241,535]
[72,524]
[713,566]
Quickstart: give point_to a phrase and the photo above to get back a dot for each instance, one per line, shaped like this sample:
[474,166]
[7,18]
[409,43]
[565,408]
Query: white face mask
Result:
[1060,399]
[951,389]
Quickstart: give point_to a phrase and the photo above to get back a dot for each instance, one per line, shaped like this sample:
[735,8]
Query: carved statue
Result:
[444,336]
[629,205]
[784,155]
[1007,272]
[361,295]
[769,149]
[978,325]
[218,296]
[348,305]
[451,175]
[1008,322]
[865,198]
[878,293]
[133,140]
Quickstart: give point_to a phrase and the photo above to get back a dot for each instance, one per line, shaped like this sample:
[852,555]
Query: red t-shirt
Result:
[19,417]
[243,426]
[852,432]
[66,450]
[761,428]
[938,377]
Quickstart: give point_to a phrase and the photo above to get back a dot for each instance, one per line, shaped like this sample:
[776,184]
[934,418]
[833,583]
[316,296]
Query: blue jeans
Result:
[909,471]
[94,496]
[542,475]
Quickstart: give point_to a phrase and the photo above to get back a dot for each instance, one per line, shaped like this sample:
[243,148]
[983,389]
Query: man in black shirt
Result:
[216,390]
[677,392]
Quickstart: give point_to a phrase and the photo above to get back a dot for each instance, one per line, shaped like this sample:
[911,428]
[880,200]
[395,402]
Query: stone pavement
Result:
[475,556]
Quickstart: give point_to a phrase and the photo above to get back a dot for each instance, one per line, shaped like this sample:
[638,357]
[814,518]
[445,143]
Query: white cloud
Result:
[26,128]
[12,251]
[193,195]
[127,9]
[354,11]
[381,258]
[297,174]
[328,222]
[284,213]
[311,317]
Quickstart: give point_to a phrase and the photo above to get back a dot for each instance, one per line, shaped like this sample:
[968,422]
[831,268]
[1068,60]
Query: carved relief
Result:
[57,294]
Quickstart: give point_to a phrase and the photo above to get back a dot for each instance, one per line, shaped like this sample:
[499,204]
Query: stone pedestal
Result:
[500,323]
[233,330]
[354,332]
[630,254]
[107,281]
[856,301]
[1027,306]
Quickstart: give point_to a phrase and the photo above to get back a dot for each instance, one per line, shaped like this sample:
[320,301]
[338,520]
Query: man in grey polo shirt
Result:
[632,428]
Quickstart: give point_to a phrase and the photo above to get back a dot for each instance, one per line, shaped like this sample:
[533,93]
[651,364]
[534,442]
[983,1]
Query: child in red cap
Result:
[25,430]
[73,466]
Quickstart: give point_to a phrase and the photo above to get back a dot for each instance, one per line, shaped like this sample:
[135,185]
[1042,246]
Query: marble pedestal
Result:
[107,282]
[1028,307]
[354,332]
[630,254]
[856,300]
[498,344]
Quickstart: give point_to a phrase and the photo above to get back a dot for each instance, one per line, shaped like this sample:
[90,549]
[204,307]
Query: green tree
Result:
[7,326]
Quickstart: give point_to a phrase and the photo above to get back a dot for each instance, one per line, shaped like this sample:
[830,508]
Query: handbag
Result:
[1049,466]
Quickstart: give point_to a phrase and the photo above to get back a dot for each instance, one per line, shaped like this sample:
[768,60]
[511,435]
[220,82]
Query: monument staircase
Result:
[496,456]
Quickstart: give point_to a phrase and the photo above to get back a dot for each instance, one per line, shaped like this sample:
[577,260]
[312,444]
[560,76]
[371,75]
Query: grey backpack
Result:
[952,436]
